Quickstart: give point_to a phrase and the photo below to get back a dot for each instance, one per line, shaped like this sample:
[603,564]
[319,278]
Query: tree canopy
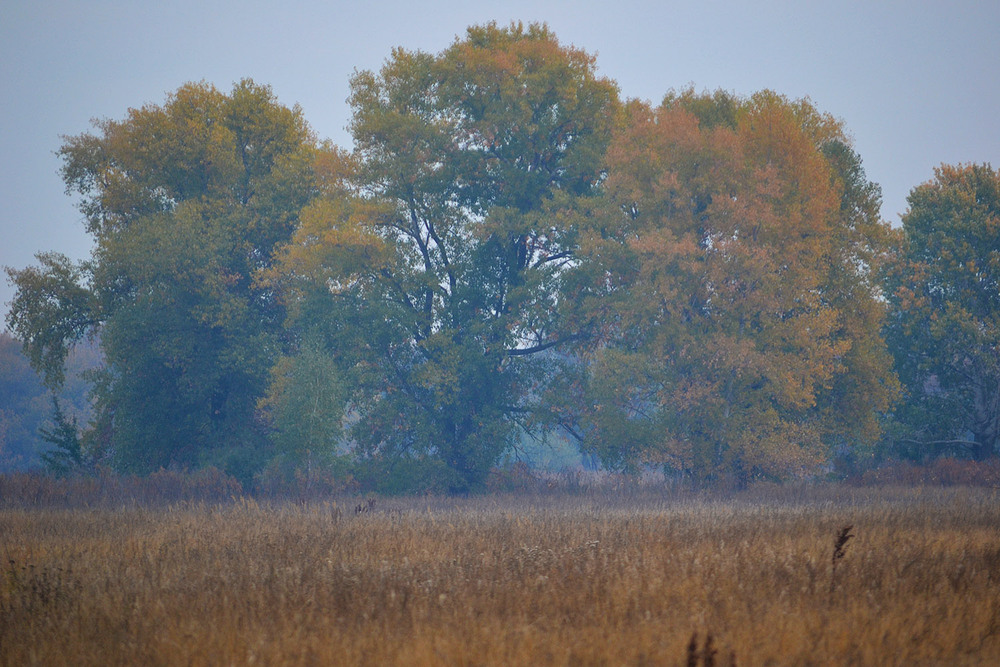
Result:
[729,279]
[186,202]
[437,251]
[944,288]
[510,251]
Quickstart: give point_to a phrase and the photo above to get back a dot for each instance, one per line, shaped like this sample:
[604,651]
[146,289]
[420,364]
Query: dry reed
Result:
[590,579]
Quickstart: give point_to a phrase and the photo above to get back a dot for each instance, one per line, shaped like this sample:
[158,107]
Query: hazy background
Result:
[916,82]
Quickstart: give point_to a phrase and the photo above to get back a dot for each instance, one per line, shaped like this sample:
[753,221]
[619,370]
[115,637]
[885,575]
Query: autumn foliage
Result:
[511,252]
[735,320]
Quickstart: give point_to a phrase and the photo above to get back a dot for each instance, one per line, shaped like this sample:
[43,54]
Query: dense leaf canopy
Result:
[437,253]
[186,203]
[729,275]
[945,292]
[509,251]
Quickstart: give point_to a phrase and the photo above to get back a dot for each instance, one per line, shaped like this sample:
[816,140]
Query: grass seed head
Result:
[840,544]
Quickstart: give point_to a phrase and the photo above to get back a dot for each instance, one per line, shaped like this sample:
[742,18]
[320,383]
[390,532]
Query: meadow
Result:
[770,576]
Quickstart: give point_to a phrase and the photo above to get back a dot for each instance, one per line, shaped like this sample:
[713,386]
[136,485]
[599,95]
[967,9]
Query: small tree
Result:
[306,405]
[67,455]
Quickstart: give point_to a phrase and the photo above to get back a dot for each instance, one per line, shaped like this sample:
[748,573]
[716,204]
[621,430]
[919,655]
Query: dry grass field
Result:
[639,578]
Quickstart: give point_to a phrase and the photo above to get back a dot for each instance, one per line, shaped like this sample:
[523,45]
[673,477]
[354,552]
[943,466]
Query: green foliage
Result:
[508,253]
[435,260]
[711,109]
[51,309]
[186,203]
[307,403]
[944,291]
[66,456]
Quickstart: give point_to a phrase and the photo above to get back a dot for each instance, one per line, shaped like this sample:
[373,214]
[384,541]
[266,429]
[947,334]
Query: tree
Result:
[186,203]
[67,454]
[433,265]
[944,329]
[729,280]
[307,402]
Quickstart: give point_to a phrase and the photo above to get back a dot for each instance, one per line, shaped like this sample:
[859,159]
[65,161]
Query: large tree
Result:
[186,202]
[729,281]
[432,268]
[944,290]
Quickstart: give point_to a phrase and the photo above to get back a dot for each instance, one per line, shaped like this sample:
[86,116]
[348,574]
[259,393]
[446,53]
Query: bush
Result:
[106,488]
[938,472]
[284,478]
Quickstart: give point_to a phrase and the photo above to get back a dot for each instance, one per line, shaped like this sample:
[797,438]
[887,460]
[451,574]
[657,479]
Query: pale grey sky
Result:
[916,83]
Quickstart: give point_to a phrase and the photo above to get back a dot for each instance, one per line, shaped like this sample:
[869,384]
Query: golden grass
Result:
[590,579]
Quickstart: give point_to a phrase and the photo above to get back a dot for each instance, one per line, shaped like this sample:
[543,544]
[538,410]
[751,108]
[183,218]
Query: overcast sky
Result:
[917,83]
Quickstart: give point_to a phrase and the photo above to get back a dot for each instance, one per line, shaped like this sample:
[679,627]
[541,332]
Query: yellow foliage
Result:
[742,283]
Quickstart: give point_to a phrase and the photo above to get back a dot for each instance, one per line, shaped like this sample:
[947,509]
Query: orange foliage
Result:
[723,236]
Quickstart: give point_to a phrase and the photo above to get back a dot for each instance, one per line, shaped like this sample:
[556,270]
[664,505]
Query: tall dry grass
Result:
[586,579]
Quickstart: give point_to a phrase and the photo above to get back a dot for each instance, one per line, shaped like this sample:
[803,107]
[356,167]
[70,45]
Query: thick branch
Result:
[452,281]
[569,429]
[525,351]
[551,258]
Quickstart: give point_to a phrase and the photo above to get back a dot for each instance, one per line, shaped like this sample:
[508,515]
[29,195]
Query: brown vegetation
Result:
[936,472]
[541,578]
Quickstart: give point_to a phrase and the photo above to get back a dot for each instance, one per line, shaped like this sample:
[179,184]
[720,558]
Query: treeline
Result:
[511,251]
